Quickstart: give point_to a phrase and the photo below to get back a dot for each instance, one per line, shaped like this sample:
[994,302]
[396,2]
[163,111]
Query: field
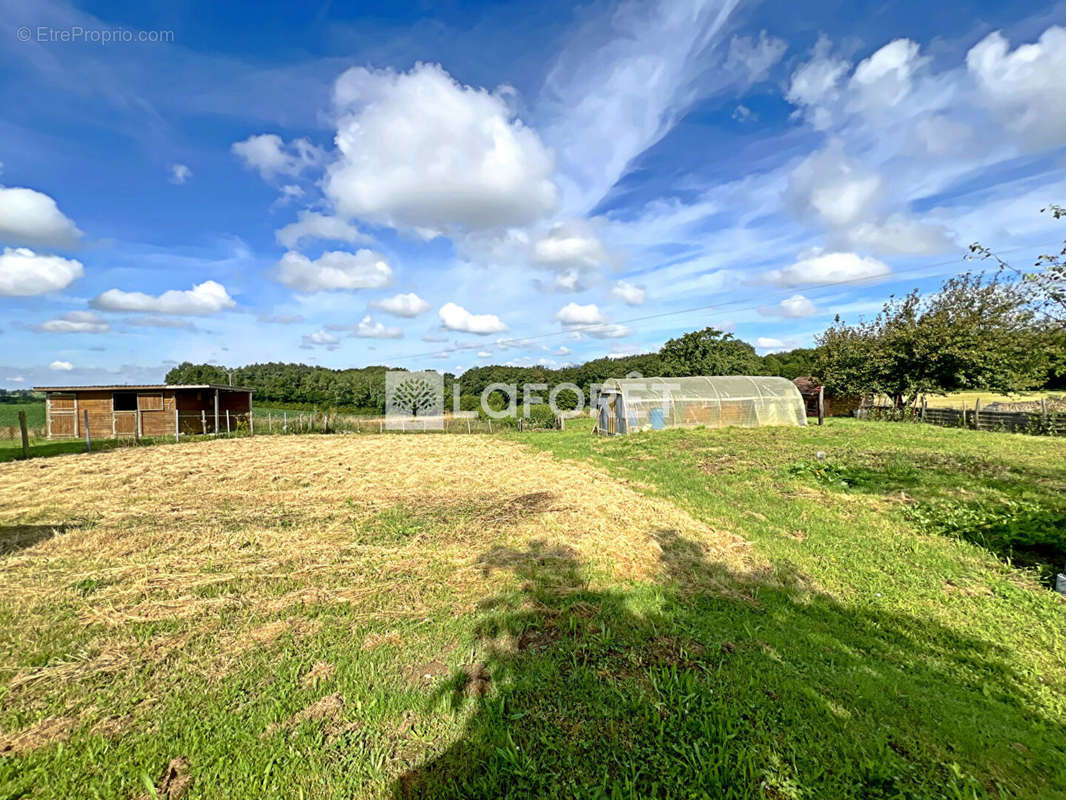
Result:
[969,399]
[9,414]
[681,613]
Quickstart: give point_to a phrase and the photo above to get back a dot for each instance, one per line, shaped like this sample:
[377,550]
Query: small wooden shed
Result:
[835,405]
[151,410]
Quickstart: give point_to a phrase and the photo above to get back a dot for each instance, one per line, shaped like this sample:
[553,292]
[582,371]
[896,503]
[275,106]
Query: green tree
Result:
[708,352]
[972,334]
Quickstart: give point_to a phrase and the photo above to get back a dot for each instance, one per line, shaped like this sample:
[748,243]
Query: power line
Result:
[519,341]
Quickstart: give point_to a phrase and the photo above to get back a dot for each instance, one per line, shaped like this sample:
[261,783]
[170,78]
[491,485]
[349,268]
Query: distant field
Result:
[9,414]
[969,399]
[703,613]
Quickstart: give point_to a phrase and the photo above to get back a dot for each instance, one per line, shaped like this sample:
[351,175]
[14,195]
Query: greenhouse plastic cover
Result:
[713,402]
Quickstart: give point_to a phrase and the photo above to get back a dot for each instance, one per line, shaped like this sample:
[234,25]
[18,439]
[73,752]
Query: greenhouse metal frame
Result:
[627,405]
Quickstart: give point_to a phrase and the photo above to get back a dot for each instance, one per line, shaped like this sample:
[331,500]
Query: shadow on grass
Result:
[1018,513]
[16,537]
[712,684]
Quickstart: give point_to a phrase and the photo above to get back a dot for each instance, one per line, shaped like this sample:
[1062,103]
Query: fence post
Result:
[821,405]
[284,421]
[1043,408]
[251,423]
[227,422]
[977,414]
[25,435]
[177,424]
[88,442]
[490,426]
[468,424]
[203,421]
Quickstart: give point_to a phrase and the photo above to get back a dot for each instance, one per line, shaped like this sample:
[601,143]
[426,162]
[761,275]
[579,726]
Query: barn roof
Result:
[139,387]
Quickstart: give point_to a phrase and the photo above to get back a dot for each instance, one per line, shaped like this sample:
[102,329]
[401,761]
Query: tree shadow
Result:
[16,537]
[717,684]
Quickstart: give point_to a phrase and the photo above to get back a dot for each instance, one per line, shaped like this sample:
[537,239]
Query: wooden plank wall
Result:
[1013,421]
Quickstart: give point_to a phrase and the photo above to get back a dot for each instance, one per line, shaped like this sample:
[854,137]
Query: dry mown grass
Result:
[223,543]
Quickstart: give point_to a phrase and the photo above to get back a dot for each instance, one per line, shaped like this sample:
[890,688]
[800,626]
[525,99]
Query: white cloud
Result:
[795,307]
[281,319]
[61,366]
[629,293]
[569,246]
[268,153]
[312,225]
[180,173]
[624,80]
[899,235]
[321,338]
[484,354]
[588,319]
[456,318]
[363,269]
[160,322]
[33,219]
[1025,88]
[24,272]
[754,58]
[814,85]
[208,297]
[76,322]
[403,305]
[884,79]
[17,378]
[368,329]
[828,268]
[574,314]
[419,150]
[833,189]
[744,114]
[770,344]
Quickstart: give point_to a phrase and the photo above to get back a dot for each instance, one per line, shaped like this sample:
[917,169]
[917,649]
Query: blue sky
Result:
[443,185]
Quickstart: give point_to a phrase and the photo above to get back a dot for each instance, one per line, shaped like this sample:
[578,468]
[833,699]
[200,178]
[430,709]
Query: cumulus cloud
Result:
[363,269]
[209,297]
[898,234]
[884,79]
[574,314]
[795,307]
[754,58]
[368,329]
[312,225]
[321,338]
[270,156]
[61,366]
[1024,87]
[828,268]
[403,305]
[76,322]
[769,344]
[24,272]
[814,86]
[180,173]
[420,151]
[629,293]
[833,189]
[569,246]
[456,318]
[588,319]
[33,219]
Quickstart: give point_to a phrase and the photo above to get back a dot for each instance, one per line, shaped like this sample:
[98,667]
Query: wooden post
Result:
[284,421]
[490,426]
[203,421]
[227,422]
[468,425]
[251,421]
[1043,408]
[925,405]
[88,443]
[821,405]
[177,422]
[215,431]
[977,414]
[25,435]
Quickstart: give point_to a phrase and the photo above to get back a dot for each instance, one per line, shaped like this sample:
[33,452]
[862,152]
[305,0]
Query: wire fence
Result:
[1037,423]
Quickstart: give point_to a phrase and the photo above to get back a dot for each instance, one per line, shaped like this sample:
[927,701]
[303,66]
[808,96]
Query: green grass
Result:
[887,649]
[9,414]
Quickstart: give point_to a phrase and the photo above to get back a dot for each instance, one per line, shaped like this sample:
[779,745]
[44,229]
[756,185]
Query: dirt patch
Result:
[373,640]
[428,673]
[41,734]
[327,711]
[174,783]
[320,671]
[538,638]
[477,680]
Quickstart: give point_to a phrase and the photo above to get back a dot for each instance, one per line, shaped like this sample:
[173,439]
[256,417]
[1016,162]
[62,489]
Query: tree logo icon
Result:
[414,400]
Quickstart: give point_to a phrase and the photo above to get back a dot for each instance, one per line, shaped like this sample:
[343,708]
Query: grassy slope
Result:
[871,657]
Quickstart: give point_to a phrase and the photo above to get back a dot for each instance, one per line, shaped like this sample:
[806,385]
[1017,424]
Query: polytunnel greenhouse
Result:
[638,404]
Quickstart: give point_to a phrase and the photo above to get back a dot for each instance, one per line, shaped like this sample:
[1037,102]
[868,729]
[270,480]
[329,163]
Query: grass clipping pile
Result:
[258,528]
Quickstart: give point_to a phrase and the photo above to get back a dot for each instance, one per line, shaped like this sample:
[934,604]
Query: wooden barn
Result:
[835,405]
[136,411]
